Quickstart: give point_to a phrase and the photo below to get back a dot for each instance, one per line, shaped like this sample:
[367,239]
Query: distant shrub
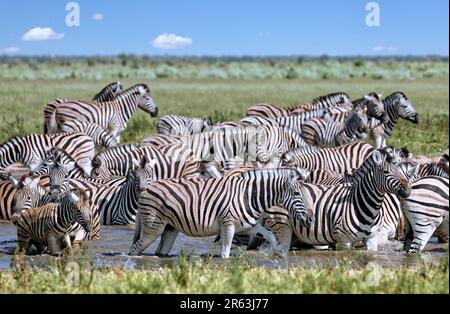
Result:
[291,74]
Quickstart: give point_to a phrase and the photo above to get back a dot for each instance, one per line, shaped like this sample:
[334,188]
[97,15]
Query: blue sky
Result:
[225,27]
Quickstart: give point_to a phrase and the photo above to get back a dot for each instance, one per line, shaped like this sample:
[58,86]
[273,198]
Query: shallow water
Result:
[112,249]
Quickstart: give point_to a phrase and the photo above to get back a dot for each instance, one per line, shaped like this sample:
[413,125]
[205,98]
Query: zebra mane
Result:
[331,99]
[133,89]
[389,155]
[106,88]
[392,98]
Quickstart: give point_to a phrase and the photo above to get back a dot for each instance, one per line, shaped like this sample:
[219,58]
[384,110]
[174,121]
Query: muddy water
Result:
[112,249]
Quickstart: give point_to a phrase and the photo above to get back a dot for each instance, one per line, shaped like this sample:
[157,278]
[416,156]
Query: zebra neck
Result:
[345,133]
[66,215]
[10,152]
[127,105]
[265,193]
[366,196]
[392,114]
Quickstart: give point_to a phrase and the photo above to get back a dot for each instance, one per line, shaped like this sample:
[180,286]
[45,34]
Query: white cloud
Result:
[42,33]
[11,50]
[264,34]
[384,48]
[171,41]
[97,17]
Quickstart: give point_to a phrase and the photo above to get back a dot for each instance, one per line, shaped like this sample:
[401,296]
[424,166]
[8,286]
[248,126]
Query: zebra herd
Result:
[301,174]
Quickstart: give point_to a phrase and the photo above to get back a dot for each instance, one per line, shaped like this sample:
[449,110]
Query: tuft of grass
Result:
[233,276]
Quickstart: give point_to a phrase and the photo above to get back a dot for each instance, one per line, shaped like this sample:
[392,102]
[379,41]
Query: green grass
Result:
[233,277]
[22,102]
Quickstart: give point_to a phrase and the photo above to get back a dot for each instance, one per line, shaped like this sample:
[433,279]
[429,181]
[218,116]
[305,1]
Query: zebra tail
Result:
[52,124]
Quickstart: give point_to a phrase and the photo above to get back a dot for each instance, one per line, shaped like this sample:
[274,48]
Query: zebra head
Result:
[81,206]
[387,174]
[295,202]
[374,106]
[26,195]
[59,179]
[357,125]
[404,107]
[145,102]
[117,88]
[143,173]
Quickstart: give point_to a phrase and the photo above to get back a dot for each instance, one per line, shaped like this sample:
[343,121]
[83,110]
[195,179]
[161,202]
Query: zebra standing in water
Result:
[49,225]
[111,115]
[272,111]
[396,106]
[343,159]
[346,214]
[31,150]
[174,125]
[426,210]
[331,134]
[108,93]
[208,207]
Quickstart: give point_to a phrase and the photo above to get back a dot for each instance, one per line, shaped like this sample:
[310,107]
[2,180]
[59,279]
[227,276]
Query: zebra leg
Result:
[226,236]
[167,240]
[378,141]
[67,244]
[151,226]
[267,234]
[371,244]
[422,235]
[53,244]
[212,170]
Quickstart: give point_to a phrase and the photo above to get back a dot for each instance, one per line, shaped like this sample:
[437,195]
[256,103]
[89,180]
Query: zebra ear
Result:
[141,90]
[377,157]
[413,171]
[16,184]
[70,165]
[73,197]
[367,97]
[135,163]
[152,163]
[294,176]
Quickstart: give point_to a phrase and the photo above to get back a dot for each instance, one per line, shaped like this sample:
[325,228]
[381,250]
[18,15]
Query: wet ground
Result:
[112,249]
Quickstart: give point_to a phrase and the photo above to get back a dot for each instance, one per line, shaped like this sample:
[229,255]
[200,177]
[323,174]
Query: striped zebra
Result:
[159,140]
[172,161]
[49,225]
[29,193]
[108,93]
[100,137]
[396,106]
[426,210]
[331,134]
[272,111]
[327,177]
[343,159]
[174,125]
[114,203]
[208,207]
[31,150]
[111,115]
[261,145]
[347,214]
[294,121]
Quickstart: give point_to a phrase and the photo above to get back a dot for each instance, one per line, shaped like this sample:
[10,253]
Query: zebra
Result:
[173,161]
[182,126]
[271,111]
[111,115]
[31,150]
[100,137]
[331,134]
[346,214]
[327,177]
[343,159]
[294,121]
[426,210]
[261,145]
[396,106]
[29,193]
[50,224]
[212,206]
[108,93]
[115,204]
[159,140]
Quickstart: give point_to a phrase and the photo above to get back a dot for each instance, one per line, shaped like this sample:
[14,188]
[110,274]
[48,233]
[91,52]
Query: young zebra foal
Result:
[50,224]
[202,208]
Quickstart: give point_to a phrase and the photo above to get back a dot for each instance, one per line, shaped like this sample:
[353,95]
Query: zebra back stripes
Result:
[182,126]
[343,159]
[30,150]
[201,208]
[100,137]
